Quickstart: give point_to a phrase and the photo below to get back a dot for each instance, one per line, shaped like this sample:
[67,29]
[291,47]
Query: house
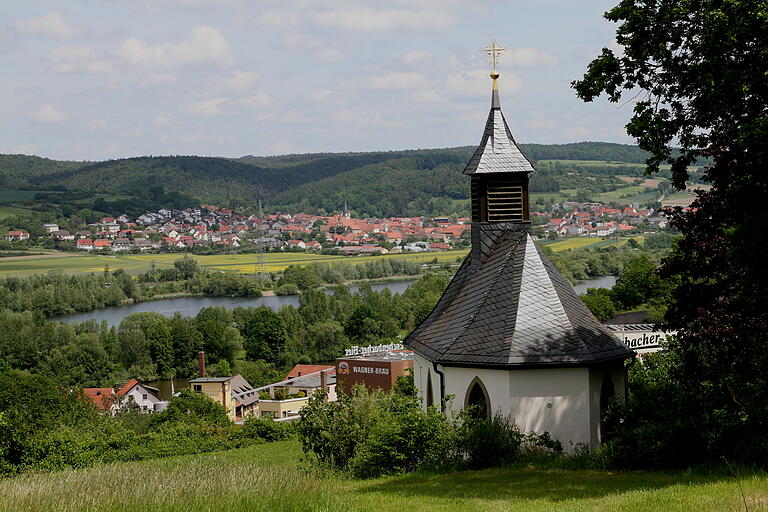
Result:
[62,235]
[509,335]
[121,244]
[101,245]
[304,369]
[50,228]
[12,236]
[297,244]
[314,245]
[246,398]
[85,244]
[136,394]
[218,389]
[104,399]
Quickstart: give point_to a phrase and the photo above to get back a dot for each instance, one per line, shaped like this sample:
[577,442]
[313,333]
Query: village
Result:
[210,226]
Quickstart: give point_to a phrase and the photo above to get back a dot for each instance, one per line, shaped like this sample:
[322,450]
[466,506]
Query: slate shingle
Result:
[512,308]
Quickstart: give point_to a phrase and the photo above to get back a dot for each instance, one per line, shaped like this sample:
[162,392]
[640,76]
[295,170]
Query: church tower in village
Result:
[510,335]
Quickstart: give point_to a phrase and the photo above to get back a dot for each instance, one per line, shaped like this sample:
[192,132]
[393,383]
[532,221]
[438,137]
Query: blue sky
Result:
[96,79]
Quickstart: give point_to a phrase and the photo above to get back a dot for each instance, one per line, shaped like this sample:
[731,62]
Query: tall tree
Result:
[697,70]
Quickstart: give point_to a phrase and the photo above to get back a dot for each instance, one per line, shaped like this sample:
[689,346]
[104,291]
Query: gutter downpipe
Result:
[442,386]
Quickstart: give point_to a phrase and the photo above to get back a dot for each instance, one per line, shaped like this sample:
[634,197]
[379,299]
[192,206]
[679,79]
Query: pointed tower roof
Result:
[507,306]
[498,151]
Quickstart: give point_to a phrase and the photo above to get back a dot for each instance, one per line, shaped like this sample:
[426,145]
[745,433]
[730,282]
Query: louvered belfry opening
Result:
[500,198]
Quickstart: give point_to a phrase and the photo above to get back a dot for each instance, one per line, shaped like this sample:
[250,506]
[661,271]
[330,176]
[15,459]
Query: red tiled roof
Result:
[101,397]
[304,369]
[127,387]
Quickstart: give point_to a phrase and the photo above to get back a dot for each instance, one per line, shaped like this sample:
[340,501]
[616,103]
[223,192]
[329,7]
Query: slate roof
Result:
[497,152]
[509,307]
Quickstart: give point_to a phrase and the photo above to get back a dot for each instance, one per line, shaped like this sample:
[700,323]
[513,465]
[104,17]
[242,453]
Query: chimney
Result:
[201,363]
[323,380]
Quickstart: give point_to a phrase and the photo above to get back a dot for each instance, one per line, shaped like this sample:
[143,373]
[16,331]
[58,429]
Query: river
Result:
[190,306]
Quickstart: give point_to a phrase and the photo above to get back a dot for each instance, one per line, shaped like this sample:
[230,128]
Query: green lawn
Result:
[273,477]
[244,263]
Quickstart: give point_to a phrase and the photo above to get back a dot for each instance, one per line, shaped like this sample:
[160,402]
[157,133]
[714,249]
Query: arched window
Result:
[477,402]
[430,396]
[607,392]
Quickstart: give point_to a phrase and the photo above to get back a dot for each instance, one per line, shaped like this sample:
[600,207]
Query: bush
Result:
[489,442]
[266,429]
[287,289]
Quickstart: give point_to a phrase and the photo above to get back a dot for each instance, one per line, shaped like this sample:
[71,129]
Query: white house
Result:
[134,392]
[509,335]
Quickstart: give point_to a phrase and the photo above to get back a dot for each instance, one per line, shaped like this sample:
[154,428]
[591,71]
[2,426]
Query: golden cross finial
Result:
[494,52]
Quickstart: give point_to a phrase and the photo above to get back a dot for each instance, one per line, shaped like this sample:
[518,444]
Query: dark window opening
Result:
[477,403]
[198,388]
[430,397]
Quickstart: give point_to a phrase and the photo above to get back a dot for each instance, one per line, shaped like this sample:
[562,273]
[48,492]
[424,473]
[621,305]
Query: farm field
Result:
[272,477]
[243,263]
[590,243]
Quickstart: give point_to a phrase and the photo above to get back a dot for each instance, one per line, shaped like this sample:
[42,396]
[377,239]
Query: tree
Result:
[698,68]
[635,283]
[187,266]
[264,335]
[600,303]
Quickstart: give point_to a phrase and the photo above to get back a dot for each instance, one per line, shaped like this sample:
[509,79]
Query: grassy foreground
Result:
[272,477]
[244,263]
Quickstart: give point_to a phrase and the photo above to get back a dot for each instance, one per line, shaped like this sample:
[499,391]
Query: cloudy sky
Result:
[96,79]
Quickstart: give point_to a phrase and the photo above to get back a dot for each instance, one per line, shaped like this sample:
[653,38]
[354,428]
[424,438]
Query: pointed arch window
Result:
[477,401]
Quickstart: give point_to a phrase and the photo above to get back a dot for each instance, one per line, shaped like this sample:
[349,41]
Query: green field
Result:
[243,263]
[8,211]
[272,477]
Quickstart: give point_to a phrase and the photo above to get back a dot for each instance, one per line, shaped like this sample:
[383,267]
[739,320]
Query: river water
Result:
[190,306]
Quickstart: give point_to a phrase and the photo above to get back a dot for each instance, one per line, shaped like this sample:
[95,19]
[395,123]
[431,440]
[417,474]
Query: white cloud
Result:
[69,59]
[259,100]
[50,25]
[159,79]
[363,118]
[162,120]
[322,96]
[240,80]
[207,45]
[383,20]
[279,19]
[476,82]
[331,55]
[427,96]
[528,57]
[398,81]
[209,107]
[416,57]
[48,114]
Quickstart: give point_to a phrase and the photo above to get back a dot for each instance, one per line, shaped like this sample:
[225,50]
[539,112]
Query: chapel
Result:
[509,335]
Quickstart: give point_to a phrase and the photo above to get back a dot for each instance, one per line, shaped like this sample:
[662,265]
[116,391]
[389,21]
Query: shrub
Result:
[287,289]
[266,429]
[485,443]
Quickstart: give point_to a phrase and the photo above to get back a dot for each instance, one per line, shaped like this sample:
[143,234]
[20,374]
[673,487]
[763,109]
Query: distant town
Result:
[211,227]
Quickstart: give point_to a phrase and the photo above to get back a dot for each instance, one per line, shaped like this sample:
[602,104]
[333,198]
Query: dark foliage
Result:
[700,67]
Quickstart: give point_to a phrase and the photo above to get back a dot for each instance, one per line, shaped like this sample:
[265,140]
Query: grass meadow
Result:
[243,263]
[273,477]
